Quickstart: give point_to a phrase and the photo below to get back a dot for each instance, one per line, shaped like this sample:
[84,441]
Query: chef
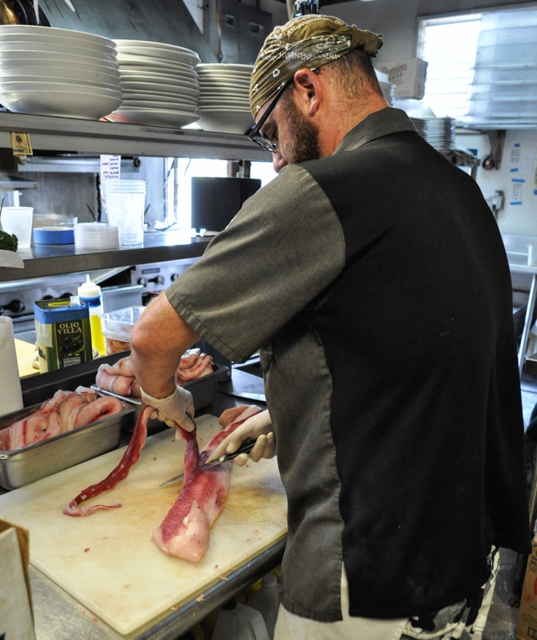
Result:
[371,277]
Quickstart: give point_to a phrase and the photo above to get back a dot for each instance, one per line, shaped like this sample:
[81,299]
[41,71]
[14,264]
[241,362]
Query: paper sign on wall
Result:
[110,167]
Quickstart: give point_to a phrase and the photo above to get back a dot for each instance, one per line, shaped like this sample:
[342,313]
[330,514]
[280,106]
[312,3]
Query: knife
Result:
[245,447]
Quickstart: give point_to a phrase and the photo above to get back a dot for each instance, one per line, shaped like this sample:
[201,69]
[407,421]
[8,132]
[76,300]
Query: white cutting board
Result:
[108,562]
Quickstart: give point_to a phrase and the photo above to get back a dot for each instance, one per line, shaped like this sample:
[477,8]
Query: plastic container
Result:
[18,221]
[90,295]
[124,201]
[267,600]
[239,622]
[54,235]
[117,326]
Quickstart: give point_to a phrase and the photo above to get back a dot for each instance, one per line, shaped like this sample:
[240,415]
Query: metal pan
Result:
[23,466]
[203,391]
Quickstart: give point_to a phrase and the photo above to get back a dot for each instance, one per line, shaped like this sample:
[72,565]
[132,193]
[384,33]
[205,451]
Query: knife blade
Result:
[245,447]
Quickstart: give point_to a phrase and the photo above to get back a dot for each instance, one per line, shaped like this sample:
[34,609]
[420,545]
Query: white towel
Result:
[10,384]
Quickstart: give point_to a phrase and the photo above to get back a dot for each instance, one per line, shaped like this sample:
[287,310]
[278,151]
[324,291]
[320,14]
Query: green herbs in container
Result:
[62,334]
[8,241]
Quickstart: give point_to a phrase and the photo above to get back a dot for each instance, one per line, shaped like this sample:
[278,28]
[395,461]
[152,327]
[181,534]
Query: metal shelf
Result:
[70,135]
[50,260]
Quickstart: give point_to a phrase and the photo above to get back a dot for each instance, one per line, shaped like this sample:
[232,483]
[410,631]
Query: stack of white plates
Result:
[224,97]
[159,82]
[58,72]
[96,235]
[439,132]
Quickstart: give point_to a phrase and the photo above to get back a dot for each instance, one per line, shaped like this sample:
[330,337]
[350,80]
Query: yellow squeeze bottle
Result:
[90,295]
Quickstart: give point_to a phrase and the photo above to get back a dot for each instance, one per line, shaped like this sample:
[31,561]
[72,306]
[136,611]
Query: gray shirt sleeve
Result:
[278,253]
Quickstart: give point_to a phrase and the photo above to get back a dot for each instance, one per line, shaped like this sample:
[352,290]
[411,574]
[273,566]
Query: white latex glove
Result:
[178,408]
[258,427]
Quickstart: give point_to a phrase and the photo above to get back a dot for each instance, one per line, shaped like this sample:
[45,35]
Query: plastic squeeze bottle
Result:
[90,294]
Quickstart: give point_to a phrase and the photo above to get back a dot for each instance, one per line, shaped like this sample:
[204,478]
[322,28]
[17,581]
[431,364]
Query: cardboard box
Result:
[407,75]
[16,617]
[62,334]
[526,628]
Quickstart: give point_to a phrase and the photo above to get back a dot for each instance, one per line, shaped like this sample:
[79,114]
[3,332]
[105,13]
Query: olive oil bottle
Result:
[63,334]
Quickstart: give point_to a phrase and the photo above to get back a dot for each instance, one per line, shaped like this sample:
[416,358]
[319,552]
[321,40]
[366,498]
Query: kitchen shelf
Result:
[70,135]
[51,260]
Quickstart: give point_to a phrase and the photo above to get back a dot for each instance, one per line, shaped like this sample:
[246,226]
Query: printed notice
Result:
[515,158]
[516,191]
[110,167]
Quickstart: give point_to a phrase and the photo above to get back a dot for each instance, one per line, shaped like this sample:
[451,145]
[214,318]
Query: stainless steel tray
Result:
[203,391]
[24,466]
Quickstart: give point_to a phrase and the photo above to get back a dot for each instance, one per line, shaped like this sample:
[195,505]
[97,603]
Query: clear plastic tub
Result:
[498,75]
[506,55]
[499,92]
[117,326]
[488,108]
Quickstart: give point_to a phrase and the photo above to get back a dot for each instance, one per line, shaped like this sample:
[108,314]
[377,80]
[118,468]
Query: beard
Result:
[305,143]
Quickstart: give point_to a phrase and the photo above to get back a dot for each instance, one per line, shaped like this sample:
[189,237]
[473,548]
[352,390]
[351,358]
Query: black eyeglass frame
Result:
[254,136]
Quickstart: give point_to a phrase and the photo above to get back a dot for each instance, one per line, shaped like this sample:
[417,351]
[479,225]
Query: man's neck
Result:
[337,126]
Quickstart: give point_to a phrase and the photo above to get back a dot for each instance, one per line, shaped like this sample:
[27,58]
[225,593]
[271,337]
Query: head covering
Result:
[307,41]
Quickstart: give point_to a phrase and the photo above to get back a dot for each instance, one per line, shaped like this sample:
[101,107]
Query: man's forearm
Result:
[158,340]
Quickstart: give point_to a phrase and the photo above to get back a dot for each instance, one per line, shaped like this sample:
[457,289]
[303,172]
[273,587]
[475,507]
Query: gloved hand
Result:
[178,408]
[258,427]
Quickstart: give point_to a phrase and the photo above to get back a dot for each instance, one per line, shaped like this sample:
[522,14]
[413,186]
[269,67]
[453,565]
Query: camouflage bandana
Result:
[304,42]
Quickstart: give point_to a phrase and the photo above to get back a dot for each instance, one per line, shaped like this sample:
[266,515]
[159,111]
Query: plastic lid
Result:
[269,580]
[89,289]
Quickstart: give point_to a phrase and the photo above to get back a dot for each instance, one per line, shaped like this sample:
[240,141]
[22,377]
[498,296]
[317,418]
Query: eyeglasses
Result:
[254,134]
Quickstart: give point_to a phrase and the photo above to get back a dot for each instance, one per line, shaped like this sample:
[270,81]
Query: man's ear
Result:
[309,90]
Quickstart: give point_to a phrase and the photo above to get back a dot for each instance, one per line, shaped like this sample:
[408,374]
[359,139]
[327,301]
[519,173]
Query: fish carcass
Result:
[185,531]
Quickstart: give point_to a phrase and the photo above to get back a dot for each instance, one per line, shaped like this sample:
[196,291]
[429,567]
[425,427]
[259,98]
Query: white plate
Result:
[46,41]
[223,66]
[224,95]
[47,74]
[157,88]
[154,117]
[160,54]
[227,106]
[146,44]
[225,86]
[226,122]
[97,51]
[174,77]
[159,104]
[54,58]
[218,73]
[60,87]
[41,82]
[224,108]
[41,65]
[60,103]
[40,31]
[131,59]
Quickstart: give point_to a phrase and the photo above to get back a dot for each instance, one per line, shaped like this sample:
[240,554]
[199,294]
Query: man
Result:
[371,276]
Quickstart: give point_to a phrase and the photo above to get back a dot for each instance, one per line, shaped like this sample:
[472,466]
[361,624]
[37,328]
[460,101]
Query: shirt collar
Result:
[376,125]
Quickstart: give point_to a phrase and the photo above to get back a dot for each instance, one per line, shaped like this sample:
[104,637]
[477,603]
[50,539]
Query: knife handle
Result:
[245,447]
